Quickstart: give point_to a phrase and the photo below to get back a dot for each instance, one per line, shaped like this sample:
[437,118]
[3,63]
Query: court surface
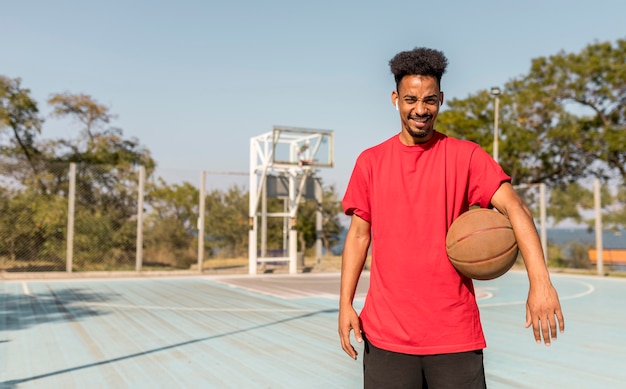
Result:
[274,331]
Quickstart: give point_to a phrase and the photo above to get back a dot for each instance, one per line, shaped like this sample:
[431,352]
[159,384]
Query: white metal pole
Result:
[286,225]
[293,232]
[252,246]
[495,129]
[264,218]
[140,192]
[201,216]
[319,196]
[69,258]
[598,214]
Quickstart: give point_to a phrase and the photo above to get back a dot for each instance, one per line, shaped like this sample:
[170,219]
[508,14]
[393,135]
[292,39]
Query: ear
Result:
[394,98]
[440,98]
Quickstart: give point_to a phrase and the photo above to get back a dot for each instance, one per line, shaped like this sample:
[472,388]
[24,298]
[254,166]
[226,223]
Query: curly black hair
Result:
[420,61]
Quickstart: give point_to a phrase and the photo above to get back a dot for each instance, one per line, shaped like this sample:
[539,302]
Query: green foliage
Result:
[19,114]
[330,209]
[226,222]
[82,108]
[106,183]
[470,119]
[573,102]
[567,201]
[171,224]
[579,255]
[573,255]
[556,256]
[33,225]
[561,124]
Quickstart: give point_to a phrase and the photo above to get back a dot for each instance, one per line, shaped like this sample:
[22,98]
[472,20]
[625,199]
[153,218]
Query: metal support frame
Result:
[291,153]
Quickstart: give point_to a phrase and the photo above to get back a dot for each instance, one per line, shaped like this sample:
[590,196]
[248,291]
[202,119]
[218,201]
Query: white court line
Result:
[301,280]
[25,289]
[590,290]
[198,309]
[485,296]
[481,294]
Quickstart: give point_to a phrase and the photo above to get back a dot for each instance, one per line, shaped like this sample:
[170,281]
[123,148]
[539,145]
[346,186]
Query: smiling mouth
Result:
[420,119]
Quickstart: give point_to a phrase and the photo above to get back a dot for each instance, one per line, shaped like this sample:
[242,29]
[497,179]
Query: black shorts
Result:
[386,369]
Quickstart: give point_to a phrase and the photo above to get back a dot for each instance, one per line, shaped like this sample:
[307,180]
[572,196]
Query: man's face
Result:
[418,99]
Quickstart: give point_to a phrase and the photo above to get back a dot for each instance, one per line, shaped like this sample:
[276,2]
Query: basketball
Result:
[481,244]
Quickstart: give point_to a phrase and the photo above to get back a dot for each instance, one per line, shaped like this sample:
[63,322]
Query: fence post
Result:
[598,214]
[319,222]
[140,190]
[69,257]
[201,210]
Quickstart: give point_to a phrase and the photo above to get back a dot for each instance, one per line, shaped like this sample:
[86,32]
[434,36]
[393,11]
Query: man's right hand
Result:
[349,320]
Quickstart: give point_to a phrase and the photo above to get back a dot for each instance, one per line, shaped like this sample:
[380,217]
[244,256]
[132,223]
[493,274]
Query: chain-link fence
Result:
[61,217]
[105,218]
[33,218]
[585,244]
[74,218]
[68,217]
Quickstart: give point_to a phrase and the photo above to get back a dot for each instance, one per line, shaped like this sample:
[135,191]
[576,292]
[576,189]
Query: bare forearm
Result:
[354,254]
[350,272]
[543,309]
[509,203]
[528,242]
[353,259]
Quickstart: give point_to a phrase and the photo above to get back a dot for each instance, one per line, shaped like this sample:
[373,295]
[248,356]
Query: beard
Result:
[419,133]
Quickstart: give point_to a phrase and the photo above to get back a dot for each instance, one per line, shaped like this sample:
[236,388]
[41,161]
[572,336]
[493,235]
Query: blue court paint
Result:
[274,331]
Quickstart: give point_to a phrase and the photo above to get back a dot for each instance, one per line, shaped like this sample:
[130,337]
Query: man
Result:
[420,322]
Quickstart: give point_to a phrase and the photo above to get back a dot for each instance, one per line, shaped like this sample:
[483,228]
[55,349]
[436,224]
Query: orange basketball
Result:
[481,244]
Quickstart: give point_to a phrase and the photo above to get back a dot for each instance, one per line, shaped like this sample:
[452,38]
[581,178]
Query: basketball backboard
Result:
[302,147]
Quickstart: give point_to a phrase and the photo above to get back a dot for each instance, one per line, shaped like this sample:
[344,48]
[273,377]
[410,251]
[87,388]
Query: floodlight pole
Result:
[495,92]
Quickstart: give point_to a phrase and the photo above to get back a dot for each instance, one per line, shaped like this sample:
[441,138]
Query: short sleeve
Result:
[356,200]
[486,176]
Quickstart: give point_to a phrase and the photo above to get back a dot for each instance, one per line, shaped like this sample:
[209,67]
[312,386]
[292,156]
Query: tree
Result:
[562,123]
[32,217]
[574,103]
[331,227]
[170,233]
[82,108]
[106,182]
[226,222]
[96,143]
[19,113]
[594,80]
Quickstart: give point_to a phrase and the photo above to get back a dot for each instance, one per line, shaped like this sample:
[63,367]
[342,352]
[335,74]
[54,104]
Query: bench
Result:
[609,256]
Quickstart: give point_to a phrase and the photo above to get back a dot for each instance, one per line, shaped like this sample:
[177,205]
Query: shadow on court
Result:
[27,310]
[56,302]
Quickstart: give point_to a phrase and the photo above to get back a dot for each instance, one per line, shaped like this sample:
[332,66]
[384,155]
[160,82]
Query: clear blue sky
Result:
[194,80]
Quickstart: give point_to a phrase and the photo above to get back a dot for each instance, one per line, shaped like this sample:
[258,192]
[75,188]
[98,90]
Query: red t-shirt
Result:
[417,302]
